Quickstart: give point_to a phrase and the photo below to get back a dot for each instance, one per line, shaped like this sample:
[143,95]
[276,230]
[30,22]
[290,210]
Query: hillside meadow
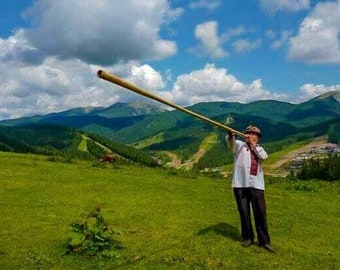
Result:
[167,219]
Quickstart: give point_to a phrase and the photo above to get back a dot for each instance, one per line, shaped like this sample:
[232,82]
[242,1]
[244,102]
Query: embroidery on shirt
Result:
[254,162]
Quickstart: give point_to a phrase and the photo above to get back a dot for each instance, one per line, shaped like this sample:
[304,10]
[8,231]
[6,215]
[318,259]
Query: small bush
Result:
[93,237]
[304,187]
[52,158]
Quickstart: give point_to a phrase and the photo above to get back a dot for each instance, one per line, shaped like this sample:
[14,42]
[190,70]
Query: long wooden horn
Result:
[123,83]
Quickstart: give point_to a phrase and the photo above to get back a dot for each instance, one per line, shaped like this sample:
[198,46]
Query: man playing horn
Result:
[248,186]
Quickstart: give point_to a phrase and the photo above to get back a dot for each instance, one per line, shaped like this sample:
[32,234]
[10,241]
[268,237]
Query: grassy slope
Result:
[167,219]
[83,144]
[158,138]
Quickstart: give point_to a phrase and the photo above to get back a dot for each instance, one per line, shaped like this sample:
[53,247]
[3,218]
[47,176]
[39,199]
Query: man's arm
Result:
[260,152]
[230,138]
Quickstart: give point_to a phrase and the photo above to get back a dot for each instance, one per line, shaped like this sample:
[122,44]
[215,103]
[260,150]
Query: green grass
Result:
[83,144]
[159,138]
[167,219]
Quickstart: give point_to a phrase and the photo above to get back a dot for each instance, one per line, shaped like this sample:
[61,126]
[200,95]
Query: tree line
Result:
[126,151]
[327,169]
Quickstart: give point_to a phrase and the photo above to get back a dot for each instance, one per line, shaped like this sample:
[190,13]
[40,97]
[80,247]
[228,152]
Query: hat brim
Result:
[248,132]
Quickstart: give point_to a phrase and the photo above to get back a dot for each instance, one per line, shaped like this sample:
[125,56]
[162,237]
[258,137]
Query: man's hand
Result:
[252,139]
[230,135]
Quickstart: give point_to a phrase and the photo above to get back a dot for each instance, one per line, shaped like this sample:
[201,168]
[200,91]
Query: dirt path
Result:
[175,160]
[188,164]
[277,168]
[306,148]
[194,159]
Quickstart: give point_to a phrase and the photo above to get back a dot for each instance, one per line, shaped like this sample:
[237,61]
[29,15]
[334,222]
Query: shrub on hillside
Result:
[93,237]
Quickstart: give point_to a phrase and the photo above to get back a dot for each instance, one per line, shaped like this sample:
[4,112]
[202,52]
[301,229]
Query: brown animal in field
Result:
[110,157]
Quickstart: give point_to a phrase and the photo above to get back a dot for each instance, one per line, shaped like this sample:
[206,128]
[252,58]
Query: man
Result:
[248,186]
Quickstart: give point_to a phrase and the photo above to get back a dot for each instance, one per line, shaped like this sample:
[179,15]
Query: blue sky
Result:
[186,51]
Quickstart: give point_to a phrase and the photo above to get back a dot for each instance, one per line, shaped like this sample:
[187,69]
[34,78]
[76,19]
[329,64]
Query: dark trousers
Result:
[254,197]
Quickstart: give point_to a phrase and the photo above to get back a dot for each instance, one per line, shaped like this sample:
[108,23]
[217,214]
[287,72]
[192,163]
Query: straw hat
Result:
[253,129]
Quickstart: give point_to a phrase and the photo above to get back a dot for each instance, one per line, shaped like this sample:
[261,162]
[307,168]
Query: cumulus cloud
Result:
[52,86]
[52,65]
[146,77]
[214,84]
[210,42]
[318,37]
[101,32]
[55,85]
[273,6]
[309,91]
[17,48]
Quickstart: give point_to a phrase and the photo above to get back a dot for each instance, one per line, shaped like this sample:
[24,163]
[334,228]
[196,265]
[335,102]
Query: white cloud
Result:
[146,77]
[233,32]
[318,37]
[210,42]
[282,40]
[17,48]
[101,32]
[244,45]
[270,34]
[51,86]
[273,6]
[309,91]
[213,84]
[56,85]
[208,4]
[49,67]
[52,66]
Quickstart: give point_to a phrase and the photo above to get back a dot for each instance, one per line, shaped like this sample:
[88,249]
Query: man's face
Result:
[252,138]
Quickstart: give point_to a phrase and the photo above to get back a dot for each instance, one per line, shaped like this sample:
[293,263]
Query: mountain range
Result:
[151,127]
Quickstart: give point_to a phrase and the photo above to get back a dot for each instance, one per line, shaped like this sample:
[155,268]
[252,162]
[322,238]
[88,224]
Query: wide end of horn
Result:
[100,73]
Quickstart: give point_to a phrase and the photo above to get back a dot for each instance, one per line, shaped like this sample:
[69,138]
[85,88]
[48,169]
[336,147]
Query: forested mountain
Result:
[156,130]
[93,114]
[68,143]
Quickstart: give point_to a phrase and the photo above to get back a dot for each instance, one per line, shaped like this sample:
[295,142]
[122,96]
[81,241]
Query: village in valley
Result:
[317,151]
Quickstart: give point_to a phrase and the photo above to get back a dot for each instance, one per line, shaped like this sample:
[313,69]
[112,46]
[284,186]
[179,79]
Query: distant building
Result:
[332,148]
[329,148]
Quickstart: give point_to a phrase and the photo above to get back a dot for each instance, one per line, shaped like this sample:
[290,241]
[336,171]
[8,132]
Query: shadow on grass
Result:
[223,229]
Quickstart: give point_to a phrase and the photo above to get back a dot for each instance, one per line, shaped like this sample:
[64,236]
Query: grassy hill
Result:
[66,143]
[167,219]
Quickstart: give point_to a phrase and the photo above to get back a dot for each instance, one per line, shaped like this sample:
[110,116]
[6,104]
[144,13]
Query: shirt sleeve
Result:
[260,152]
